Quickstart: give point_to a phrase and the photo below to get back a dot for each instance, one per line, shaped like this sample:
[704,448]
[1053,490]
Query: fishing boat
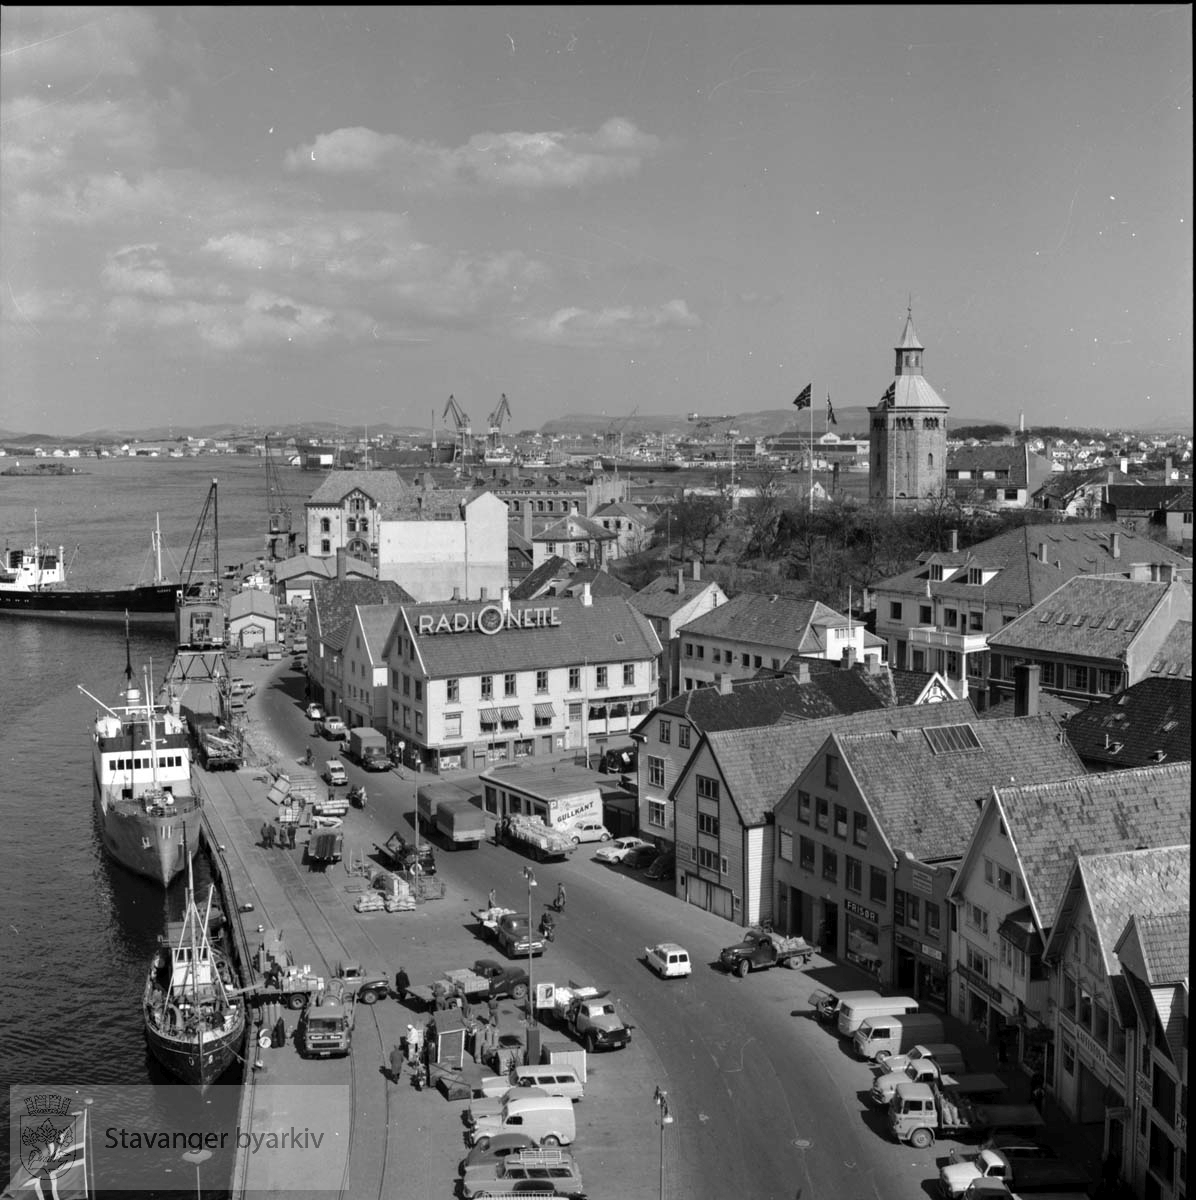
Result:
[33,583]
[194,1016]
[146,799]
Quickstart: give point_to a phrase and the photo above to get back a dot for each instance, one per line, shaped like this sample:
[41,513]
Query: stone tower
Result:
[907,436]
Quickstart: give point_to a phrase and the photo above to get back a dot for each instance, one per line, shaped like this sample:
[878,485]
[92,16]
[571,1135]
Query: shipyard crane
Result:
[497,417]
[281,538]
[464,431]
[614,435]
[706,423]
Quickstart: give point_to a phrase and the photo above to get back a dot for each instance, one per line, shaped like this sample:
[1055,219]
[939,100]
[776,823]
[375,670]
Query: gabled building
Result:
[753,632]
[1011,880]
[559,577]
[939,615]
[1177,519]
[995,477]
[630,524]
[1155,952]
[294,577]
[1095,1017]
[1143,507]
[581,540]
[252,618]
[869,834]
[670,602]
[725,795]
[1150,722]
[1093,636]
[364,690]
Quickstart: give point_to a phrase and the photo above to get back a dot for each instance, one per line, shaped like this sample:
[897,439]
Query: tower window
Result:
[930,461]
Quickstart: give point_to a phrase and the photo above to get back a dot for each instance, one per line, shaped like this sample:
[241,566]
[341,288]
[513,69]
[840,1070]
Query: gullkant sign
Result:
[489,620]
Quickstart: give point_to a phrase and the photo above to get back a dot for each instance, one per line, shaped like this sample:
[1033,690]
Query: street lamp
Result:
[662,1098]
[529,875]
[197,1157]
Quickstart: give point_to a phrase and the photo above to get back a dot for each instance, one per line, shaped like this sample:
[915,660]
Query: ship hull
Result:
[154,601]
[156,847]
[197,1062]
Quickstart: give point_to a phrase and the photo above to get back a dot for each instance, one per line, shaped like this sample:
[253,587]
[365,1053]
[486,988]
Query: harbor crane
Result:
[497,417]
[464,431]
[281,538]
[613,438]
[706,423]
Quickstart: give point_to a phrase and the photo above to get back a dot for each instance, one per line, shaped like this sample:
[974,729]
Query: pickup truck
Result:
[484,979]
[926,1070]
[509,931]
[406,856]
[334,729]
[281,981]
[591,1017]
[366,986]
[919,1111]
[949,1057]
[761,949]
[1031,1174]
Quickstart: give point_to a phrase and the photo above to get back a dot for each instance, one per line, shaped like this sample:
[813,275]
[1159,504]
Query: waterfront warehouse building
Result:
[475,683]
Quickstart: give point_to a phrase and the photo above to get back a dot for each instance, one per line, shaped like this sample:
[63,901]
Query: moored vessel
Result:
[194,1015]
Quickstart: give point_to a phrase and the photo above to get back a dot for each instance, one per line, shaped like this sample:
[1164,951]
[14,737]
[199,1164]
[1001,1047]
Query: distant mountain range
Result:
[852,421]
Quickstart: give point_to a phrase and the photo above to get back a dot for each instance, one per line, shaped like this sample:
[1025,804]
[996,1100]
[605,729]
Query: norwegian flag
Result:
[803,397]
[890,393]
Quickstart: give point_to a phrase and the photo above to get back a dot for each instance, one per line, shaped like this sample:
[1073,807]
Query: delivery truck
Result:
[368,747]
[450,810]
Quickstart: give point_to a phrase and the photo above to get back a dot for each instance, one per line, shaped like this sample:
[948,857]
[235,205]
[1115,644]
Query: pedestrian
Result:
[1037,1084]
[428,1063]
[560,897]
[269,837]
[265,833]
[402,983]
[492,1011]
[491,901]
[294,833]
[412,1043]
[396,1064]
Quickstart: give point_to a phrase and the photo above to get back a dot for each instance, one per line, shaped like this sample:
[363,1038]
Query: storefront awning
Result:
[488,716]
[511,713]
[545,711]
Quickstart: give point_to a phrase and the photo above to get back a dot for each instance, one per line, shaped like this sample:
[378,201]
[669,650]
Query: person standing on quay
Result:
[396,1064]
[402,983]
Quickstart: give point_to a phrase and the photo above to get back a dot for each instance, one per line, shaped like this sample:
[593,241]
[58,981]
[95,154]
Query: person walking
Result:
[396,1064]
[560,897]
[265,833]
[412,1043]
[402,983]
[492,1011]
[491,901]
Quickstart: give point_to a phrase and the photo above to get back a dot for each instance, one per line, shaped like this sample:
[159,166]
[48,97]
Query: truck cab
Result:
[326,1030]
[515,937]
[366,986]
[596,1021]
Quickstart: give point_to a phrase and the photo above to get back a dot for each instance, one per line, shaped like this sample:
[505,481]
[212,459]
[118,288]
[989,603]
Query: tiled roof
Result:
[1049,704]
[573,528]
[377,620]
[625,509]
[1094,616]
[396,499]
[1182,502]
[908,685]
[1143,497]
[1049,823]
[1166,946]
[541,578]
[385,488]
[989,458]
[845,684]
[320,566]
[761,765]
[926,798]
[1073,548]
[660,598]
[1132,728]
[763,621]
[608,630]
[1143,882]
[335,600]
[252,600]
[1174,657]
[1065,483]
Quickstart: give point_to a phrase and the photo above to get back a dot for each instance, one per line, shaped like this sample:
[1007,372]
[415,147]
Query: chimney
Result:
[1115,544]
[954,540]
[1042,552]
[586,599]
[722,681]
[482,593]
[1140,572]
[504,595]
[1125,465]
[847,663]
[342,557]
[527,519]
[697,568]
[803,672]
[872,662]
[456,595]
[1167,469]
[680,581]
[573,509]
[1025,690]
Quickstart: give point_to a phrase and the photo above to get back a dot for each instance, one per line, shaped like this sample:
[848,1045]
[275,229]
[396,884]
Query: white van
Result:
[548,1120]
[853,1013]
[878,1037]
[554,1079]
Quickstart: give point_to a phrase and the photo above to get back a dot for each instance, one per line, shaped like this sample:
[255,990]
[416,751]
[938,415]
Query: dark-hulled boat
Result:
[194,1016]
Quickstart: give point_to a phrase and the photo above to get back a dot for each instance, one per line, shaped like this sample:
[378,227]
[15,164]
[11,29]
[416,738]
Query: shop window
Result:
[683,736]
[785,845]
[806,854]
[803,807]
[854,881]
[830,865]
[879,886]
[655,771]
[452,689]
[822,809]
[656,813]
[841,821]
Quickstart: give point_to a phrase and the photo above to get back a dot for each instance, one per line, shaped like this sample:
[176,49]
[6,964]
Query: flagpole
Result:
[811,453]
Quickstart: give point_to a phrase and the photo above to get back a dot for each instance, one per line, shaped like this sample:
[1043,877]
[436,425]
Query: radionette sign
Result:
[489,620]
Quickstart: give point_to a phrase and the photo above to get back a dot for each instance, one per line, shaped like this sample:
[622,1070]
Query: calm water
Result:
[77,931]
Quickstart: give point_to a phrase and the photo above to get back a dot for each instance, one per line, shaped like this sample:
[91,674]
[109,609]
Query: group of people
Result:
[278,835]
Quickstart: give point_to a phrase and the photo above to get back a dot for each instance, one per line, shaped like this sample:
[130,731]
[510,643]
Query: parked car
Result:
[314,712]
[663,865]
[494,1149]
[639,857]
[1012,1145]
[668,960]
[618,850]
[334,729]
[334,773]
[622,760]
[587,831]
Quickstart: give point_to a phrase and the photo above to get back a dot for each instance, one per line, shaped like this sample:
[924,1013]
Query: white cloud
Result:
[489,161]
[624,326]
[54,46]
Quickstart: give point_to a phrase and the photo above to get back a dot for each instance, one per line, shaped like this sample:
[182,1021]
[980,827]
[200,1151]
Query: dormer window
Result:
[975,576]
[936,572]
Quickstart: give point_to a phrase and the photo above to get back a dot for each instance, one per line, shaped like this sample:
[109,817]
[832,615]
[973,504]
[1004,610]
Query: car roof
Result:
[670,947]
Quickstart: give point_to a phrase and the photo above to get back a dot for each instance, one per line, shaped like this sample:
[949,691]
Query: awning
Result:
[488,716]
[545,711]
[511,713]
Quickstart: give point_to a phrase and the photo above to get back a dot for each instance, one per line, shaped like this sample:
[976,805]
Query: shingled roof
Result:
[661,598]
[1173,660]
[781,621]
[1148,722]
[926,790]
[761,765]
[335,601]
[1143,497]
[1166,946]
[1049,823]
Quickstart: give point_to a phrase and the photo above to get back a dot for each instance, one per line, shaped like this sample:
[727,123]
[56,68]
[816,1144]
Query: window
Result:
[976,622]
[406,685]
[822,814]
[926,615]
[879,885]
[977,917]
[832,772]
[855,875]
[575,679]
[708,859]
[894,610]
[689,649]
[419,722]
[708,824]
[756,661]
[1109,682]
[806,853]
[701,650]
[841,821]
[933,920]
[452,690]
[1084,1016]
[1010,493]
[913,905]
[655,771]
[1100,1023]
[976,961]
[989,871]
[452,725]
[683,736]
[419,690]
[656,813]
[600,677]
[1013,958]
[325,546]
[1005,880]
[745,660]
[707,787]
[543,720]
[487,687]
[325,525]
[1162,1154]
[859,832]
[716,655]
[541,682]
[1069,1056]
[1069,995]
[830,865]
[1076,677]
[785,845]
[508,683]
[950,618]
[1163,1094]
[666,732]
[803,807]
[629,674]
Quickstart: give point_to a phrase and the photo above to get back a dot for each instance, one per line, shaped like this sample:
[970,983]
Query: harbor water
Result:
[77,931]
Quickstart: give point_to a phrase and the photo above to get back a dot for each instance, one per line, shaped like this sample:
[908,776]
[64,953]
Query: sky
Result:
[265,216]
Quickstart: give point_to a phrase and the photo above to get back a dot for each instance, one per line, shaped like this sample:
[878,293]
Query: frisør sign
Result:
[488,620]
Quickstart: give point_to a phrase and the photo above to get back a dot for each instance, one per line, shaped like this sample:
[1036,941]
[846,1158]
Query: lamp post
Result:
[197,1157]
[662,1098]
[529,875]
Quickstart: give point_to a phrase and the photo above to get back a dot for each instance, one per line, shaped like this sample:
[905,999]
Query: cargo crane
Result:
[281,538]
[613,438]
[497,417]
[706,423]
[464,432]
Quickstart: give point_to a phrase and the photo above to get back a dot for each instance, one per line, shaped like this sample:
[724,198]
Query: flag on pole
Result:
[890,394]
[830,412]
[803,397]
